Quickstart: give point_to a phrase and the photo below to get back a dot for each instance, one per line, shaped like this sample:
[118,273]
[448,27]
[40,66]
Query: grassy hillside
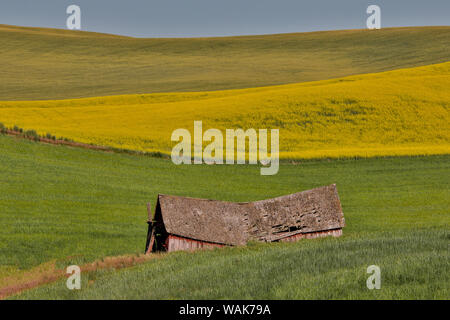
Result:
[400,112]
[413,266]
[60,64]
[77,205]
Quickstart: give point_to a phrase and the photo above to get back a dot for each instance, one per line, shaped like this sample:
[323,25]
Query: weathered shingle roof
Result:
[266,220]
[206,220]
[308,211]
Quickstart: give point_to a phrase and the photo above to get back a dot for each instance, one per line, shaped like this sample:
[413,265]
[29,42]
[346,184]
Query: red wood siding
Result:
[176,243]
[312,235]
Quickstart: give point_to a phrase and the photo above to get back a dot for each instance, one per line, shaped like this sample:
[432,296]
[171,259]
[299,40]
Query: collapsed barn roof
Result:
[233,223]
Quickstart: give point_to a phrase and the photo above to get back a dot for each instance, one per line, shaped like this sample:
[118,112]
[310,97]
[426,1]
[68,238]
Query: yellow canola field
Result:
[401,112]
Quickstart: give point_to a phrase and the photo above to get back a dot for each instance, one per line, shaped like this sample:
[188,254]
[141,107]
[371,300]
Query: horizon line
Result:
[209,37]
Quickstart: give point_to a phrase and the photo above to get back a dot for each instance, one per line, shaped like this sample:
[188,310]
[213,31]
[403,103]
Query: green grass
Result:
[61,64]
[78,205]
[413,266]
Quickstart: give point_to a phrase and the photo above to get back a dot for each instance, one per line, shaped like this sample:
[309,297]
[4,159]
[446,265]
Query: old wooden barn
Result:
[182,223]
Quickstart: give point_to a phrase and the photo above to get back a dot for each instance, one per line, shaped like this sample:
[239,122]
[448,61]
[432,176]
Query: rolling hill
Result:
[60,64]
[72,206]
[400,112]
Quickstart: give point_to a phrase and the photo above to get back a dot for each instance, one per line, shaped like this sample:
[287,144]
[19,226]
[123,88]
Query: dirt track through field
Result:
[47,273]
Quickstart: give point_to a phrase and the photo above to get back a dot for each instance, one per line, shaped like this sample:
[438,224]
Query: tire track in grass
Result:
[48,272]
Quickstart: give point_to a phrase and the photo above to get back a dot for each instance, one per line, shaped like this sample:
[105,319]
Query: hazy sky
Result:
[185,18]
